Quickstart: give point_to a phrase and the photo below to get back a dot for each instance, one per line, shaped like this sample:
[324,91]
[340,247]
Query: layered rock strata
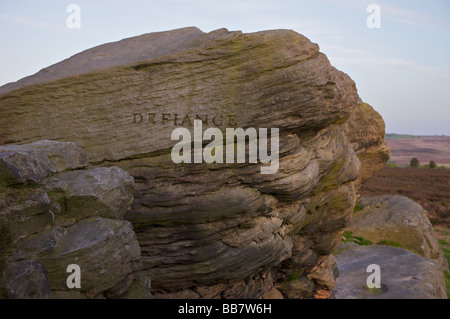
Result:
[222,229]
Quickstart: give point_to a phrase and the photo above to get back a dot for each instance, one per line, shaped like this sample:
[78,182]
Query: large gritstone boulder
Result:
[210,228]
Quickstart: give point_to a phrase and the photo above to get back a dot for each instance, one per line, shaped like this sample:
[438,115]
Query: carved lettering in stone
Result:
[185,120]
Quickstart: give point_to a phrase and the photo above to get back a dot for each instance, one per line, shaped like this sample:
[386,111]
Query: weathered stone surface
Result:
[40,235]
[25,279]
[219,74]
[38,244]
[296,288]
[209,225]
[216,228]
[404,275]
[313,280]
[325,273]
[266,79]
[20,168]
[32,163]
[101,191]
[24,211]
[365,131]
[397,220]
[139,289]
[127,51]
[106,251]
[273,294]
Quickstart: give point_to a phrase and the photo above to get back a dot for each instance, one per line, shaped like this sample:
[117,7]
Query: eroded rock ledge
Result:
[215,230]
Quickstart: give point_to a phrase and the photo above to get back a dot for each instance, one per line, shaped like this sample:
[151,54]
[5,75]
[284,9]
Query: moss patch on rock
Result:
[347,237]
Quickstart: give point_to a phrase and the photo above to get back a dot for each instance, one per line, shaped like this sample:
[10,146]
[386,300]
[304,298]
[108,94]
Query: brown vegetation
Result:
[428,187]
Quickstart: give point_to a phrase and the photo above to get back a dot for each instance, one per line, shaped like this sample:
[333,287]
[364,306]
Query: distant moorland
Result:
[424,148]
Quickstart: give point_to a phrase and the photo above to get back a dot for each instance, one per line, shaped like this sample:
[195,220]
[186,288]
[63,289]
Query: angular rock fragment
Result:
[24,211]
[101,191]
[34,246]
[105,250]
[32,163]
[24,279]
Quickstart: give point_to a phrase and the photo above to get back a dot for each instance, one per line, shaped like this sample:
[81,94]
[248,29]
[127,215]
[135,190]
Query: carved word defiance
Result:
[184,120]
[214,151]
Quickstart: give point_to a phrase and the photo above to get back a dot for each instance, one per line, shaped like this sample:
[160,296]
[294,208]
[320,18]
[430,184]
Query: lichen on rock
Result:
[221,230]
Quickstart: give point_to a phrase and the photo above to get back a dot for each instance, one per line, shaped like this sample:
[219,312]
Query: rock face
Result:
[106,191]
[210,230]
[26,279]
[399,221]
[365,131]
[404,275]
[52,216]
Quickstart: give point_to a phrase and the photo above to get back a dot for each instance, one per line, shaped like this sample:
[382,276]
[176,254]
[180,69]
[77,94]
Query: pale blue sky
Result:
[402,68]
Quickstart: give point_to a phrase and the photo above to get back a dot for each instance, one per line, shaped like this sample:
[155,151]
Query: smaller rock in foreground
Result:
[404,275]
